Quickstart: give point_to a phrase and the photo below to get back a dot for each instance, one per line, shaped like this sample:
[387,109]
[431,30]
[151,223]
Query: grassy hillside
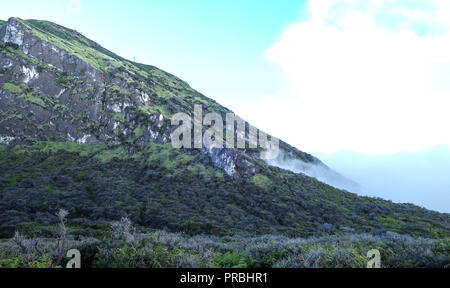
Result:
[162,187]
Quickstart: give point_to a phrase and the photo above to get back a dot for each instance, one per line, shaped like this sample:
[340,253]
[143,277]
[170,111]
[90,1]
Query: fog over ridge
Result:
[421,178]
[316,170]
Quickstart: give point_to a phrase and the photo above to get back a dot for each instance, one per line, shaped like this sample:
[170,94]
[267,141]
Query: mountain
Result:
[84,129]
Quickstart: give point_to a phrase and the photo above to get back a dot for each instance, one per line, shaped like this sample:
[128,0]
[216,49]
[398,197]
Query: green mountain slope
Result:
[162,187]
[86,130]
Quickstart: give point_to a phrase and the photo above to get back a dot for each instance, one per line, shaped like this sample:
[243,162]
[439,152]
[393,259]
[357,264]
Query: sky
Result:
[369,78]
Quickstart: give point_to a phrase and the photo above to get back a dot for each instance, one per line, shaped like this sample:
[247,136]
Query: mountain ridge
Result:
[126,72]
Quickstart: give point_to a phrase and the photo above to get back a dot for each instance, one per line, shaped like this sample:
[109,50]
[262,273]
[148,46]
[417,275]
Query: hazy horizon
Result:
[420,178]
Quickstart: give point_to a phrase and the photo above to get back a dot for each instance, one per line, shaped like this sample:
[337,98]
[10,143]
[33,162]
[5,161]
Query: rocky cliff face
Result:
[56,85]
[64,97]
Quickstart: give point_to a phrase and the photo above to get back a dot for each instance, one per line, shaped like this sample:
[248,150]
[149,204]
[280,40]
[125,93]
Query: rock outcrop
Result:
[56,85]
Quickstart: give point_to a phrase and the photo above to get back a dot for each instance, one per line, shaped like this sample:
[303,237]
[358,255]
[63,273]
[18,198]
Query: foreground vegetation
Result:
[123,246]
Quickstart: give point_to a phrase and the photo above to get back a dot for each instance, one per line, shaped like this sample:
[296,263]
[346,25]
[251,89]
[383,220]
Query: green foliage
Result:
[89,90]
[42,262]
[11,88]
[151,110]
[168,157]
[138,132]
[230,260]
[71,42]
[106,156]
[126,251]
[123,247]
[33,99]
[65,80]
[261,181]
[13,262]
[120,91]
[52,148]
[132,257]
[120,117]
[332,256]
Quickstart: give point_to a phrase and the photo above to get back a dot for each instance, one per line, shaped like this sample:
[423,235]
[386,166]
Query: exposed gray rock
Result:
[234,162]
[62,97]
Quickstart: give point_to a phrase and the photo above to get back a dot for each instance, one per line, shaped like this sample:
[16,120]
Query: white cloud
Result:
[369,76]
[74,6]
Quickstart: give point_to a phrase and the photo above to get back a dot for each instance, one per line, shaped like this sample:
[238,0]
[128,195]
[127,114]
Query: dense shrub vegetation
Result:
[165,188]
[124,247]
[300,221]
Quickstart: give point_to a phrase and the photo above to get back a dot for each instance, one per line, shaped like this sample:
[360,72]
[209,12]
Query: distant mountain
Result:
[89,131]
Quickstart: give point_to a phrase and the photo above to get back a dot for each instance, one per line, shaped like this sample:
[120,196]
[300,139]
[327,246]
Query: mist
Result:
[421,178]
[316,170]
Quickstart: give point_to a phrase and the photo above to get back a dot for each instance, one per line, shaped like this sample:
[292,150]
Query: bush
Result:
[11,88]
[130,250]
[124,247]
[230,260]
[20,262]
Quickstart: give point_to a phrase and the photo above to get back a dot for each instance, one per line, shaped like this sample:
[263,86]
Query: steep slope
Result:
[78,91]
[87,130]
